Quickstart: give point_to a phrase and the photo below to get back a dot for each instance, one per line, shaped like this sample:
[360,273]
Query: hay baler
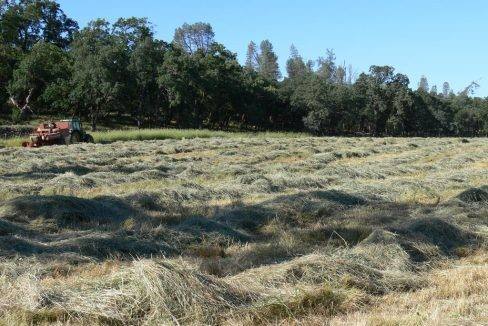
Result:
[57,133]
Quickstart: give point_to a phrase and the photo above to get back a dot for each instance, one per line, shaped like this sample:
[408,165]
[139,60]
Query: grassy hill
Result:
[282,229]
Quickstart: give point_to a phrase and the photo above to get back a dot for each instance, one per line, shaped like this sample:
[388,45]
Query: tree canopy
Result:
[122,73]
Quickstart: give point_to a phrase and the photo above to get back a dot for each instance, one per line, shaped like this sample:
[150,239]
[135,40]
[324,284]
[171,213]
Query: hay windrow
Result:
[237,230]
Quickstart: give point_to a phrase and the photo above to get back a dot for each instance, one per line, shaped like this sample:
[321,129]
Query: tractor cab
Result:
[72,124]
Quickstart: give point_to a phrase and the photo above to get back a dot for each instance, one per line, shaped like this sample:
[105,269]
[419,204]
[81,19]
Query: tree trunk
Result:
[25,110]
[142,98]
[94,120]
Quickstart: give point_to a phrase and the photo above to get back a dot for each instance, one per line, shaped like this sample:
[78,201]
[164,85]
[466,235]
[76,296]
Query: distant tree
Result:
[23,23]
[143,66]
[378,106]
[202,89]
[401,119]
[132,31]
[468,122]
[310,65]
[483,115]
[98,72]
[433,90]
[42,73]
[350,75]
[145,55]
[470,89]
[384,97]
[446,89]
[225,96]
[123,73]
[329,109]
[312,98]
[268,62]
[326,66]
[340,75]
[180,79]
[295,66]
[382,74]
[262,107]
[252,57]
[197,36]
[424,84]
[9,56]
[316,121]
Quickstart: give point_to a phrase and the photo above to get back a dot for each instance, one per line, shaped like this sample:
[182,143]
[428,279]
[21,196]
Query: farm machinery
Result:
[67,132]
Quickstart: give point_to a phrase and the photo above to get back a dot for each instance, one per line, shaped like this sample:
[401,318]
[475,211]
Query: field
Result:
[243,230]
[110,136]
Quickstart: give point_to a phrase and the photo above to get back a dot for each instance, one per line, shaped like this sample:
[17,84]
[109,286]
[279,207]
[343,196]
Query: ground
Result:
[246,230]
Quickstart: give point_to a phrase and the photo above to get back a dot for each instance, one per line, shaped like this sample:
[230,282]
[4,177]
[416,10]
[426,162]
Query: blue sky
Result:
[444,40]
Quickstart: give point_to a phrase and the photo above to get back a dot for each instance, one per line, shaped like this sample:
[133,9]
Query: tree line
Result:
[121,72]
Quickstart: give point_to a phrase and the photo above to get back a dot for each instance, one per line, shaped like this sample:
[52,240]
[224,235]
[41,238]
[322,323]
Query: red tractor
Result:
[57,133]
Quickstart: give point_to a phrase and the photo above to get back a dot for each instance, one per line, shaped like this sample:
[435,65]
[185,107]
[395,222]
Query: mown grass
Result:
[244,230]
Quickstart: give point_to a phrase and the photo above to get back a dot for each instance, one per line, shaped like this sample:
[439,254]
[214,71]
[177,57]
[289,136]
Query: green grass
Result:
[153,134]
[12,142]
[111,136]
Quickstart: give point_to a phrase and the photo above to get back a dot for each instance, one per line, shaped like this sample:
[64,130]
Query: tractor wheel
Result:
[73,138]
[89,139]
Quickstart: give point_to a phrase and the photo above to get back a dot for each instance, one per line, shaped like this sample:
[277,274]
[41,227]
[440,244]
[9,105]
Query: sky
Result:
[443,40]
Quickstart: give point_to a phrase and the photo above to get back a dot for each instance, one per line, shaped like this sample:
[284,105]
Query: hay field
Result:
[243,231]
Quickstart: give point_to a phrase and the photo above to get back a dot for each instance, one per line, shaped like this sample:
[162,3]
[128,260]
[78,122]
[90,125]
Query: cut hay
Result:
[242,230]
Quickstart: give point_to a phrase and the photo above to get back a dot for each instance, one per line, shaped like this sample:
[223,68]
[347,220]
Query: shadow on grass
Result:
[108,226]
[97,246]
[295,209]
[58,212]
[342,219]
[50,225]
[40,172]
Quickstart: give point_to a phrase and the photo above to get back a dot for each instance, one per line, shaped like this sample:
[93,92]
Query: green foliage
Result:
[468,122]
[295,66]
[9,56]
[194,37]
[23,23]
[98,72]
[424,84]
[145,54]
[16,115]
[122,74]
[44,72]
[252,57]
[268,62]
[205,88]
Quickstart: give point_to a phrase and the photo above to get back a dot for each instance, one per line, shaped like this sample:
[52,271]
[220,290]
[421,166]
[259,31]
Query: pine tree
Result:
[433,90]
[446,89]
[268,62]
[327,67]
[424,84]
[295,66]
[252,57]
[340,77]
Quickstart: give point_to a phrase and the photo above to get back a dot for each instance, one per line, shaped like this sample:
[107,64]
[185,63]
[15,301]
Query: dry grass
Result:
[456,295]
[242,230]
